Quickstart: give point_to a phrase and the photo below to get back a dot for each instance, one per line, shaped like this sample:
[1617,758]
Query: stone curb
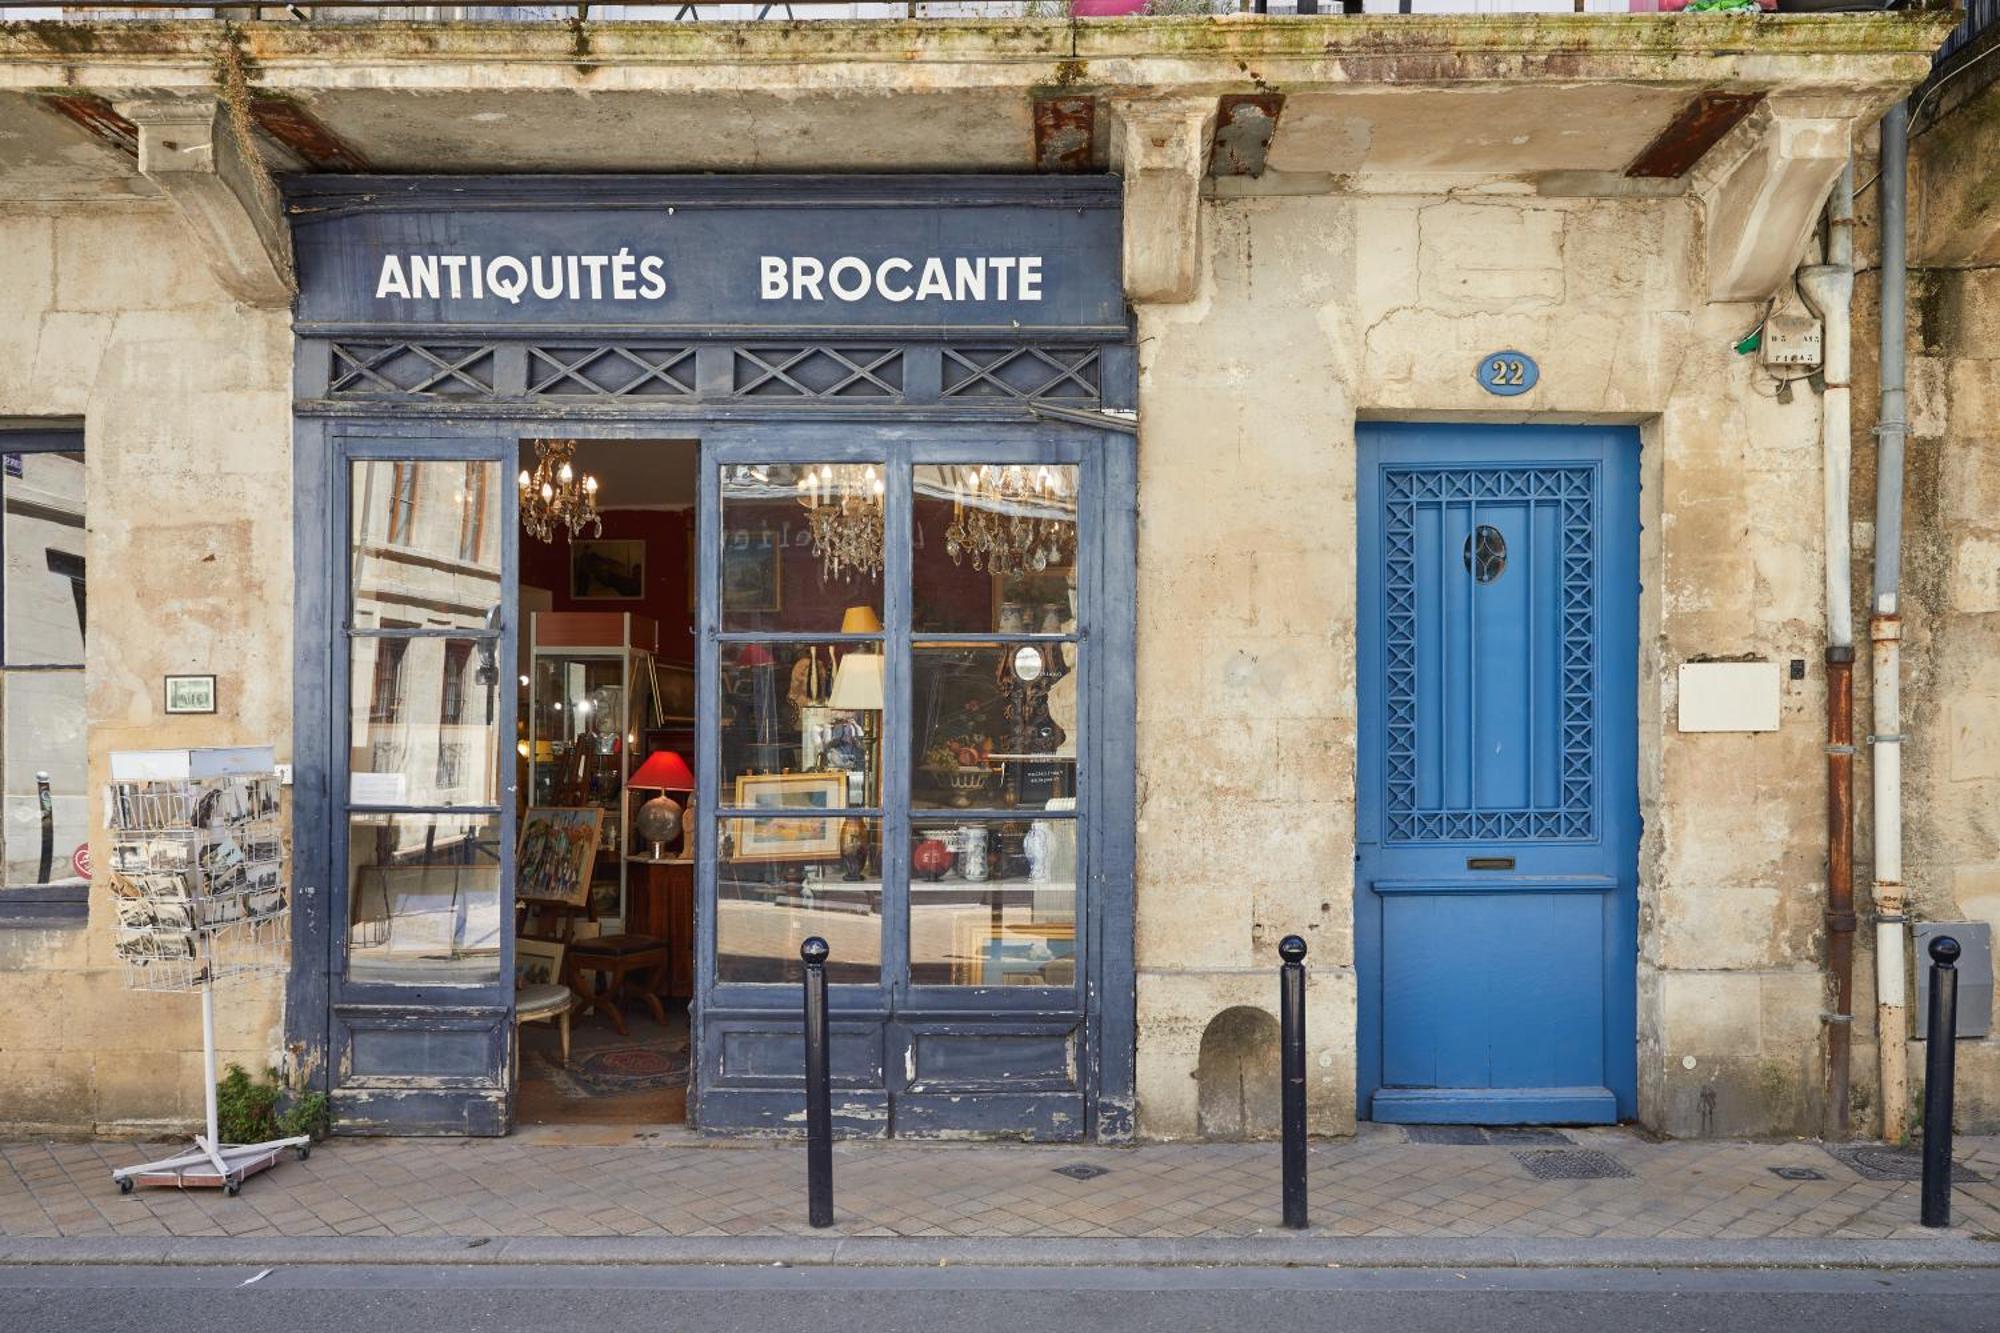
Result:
[1949,1250]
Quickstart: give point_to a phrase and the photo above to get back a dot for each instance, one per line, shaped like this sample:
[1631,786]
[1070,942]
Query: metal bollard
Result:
[819,1089]
[1940,1068]
[1292,1063]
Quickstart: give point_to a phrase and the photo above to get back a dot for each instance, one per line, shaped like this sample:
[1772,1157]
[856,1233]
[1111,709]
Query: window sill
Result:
[45,907]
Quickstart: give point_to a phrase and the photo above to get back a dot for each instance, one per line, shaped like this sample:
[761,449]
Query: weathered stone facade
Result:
[185,399]
[1322,295]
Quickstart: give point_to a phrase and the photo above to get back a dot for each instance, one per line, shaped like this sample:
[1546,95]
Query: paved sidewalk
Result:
[1382,1186]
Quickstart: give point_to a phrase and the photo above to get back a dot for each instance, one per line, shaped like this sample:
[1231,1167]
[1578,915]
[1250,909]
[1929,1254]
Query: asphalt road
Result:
[967,1300]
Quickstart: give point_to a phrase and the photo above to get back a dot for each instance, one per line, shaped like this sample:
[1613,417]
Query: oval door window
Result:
[1485,553]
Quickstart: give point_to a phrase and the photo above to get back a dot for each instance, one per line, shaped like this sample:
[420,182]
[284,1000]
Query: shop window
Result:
[44,819]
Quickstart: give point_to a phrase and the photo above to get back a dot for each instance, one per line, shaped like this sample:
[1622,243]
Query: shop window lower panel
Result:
[409,1071]
[1008,1078]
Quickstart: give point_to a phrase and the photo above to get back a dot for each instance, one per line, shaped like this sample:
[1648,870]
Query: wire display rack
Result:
[197,867]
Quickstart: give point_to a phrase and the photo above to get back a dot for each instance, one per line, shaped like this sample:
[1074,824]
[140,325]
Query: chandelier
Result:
[1010,520]
[844,515]
[557,495]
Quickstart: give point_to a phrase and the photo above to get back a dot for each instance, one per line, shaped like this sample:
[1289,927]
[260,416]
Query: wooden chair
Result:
[601,969]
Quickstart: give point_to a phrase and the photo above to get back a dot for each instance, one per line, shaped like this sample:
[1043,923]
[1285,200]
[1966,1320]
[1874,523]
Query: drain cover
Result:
[1797,1173]
[1571,1164]
[1082,1171]
[1449,1136]
[1514,1137]
[1873,1161]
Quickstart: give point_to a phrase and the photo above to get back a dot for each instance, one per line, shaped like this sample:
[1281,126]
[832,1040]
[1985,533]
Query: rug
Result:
[608,1071]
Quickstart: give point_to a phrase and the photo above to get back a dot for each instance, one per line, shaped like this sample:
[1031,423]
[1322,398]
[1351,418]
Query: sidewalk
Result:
[1577,1195]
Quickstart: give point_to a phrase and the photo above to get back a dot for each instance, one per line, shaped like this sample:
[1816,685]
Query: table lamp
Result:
[660,818]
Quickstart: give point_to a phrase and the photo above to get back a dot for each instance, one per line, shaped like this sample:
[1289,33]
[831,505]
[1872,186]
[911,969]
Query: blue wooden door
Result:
[1495,897]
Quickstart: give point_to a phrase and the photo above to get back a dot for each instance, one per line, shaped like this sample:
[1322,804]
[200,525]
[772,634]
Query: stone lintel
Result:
[1164,146]
[187,149]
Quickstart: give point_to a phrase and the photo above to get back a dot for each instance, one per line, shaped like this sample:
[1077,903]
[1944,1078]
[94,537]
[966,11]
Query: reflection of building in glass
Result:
[41,687]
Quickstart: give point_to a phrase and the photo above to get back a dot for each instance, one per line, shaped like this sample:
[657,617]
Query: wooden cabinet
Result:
[663,905]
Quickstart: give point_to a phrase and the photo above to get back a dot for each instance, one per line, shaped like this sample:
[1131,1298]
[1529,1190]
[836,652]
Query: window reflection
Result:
[424,896]
[801,545]
[425,549]
[994,549]
[783,879]
[804,708]
[993,902]
[996,725]
[424,718]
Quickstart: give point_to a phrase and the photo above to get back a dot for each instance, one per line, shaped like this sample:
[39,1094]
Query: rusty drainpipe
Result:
[1829,287]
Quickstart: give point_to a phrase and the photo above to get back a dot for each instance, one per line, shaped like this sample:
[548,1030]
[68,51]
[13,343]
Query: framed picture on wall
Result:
[752,572]
[601,571]
[797,836]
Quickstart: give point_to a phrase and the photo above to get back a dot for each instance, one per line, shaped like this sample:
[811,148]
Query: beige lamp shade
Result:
[857,683]
[860,620]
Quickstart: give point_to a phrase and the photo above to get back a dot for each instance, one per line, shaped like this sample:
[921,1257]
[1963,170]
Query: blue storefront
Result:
[904,407]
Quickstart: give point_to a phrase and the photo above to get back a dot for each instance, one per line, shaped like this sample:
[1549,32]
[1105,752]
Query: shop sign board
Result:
[853,252]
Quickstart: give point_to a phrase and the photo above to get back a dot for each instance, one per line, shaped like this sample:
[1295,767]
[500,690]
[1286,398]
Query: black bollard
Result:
[819,1089]
[1292,1063]
[1940,1067]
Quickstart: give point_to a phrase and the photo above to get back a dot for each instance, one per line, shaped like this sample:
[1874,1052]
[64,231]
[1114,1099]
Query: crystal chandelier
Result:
[557,495]
[1011,520]
[844,515]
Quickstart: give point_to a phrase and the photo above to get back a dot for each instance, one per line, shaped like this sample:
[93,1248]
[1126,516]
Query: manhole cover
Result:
[1797,1173]
[1082,1172]
[1449,1136]
[1516,1137]
[1571,1164]
[1873,1161]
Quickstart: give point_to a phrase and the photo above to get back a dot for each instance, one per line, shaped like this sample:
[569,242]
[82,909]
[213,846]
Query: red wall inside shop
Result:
[665,532]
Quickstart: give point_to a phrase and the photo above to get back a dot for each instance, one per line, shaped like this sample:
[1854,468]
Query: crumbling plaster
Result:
[1313,311]
[185,400]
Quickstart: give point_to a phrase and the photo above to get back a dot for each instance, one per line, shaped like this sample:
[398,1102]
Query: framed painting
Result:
[793,835]
[607,571]
[752,572]
[537,962]
[556,852]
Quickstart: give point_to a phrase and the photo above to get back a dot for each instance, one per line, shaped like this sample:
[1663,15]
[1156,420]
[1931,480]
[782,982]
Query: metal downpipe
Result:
[1885,632]
[1829,289]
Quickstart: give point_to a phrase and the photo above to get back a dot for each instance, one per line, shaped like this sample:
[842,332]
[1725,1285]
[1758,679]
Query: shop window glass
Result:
[421,556]
[42,617]
[424,899]
[801,545]
[784,878]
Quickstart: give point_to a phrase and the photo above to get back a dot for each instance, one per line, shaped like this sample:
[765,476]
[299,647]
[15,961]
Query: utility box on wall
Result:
[1975,975]
[1728,696]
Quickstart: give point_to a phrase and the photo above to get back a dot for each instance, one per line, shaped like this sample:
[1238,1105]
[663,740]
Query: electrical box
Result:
[1975,975]
[1728,696]
[1791,339]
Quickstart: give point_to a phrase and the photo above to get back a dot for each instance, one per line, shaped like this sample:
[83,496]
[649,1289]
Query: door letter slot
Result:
[1489,863]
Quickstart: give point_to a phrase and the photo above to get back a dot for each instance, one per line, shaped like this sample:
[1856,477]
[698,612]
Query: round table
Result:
[535,1003]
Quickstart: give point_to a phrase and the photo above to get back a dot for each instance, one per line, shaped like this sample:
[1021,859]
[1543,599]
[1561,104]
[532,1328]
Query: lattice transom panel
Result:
[402,370]
[1068,374]
[818,371]
[1490,687]
[597,370]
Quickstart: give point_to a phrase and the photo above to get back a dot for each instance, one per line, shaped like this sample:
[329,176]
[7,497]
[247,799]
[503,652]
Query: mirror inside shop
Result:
[817,753]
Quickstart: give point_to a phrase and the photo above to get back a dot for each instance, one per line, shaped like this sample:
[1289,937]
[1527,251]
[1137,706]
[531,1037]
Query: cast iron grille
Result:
[819,371]
[1874,1161]
[1061,374]
[585,370]
[1572,1164]
[411,370]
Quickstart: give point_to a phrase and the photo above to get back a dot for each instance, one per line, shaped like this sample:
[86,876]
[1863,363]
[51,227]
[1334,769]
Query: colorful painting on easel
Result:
[558,848]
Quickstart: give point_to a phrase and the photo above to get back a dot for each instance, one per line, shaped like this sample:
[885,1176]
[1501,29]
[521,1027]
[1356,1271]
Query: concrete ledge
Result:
[1950,1249]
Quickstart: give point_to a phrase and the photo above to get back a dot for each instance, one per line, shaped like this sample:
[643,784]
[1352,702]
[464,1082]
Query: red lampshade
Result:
[663,771]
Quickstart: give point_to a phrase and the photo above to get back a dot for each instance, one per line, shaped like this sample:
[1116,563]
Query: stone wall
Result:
[1314,310]
[185,399]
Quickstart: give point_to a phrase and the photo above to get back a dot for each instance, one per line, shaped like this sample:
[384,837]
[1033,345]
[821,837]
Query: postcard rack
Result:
[197,870]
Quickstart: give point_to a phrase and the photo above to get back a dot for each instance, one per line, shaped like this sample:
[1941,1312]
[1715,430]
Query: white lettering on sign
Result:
[619,277]
[804,277]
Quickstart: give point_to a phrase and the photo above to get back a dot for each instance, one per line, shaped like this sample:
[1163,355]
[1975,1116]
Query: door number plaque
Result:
[1508,373]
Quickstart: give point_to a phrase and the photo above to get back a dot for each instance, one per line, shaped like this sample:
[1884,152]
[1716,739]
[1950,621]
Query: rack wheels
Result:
[230,1187]
[305,1150]
[124,1184]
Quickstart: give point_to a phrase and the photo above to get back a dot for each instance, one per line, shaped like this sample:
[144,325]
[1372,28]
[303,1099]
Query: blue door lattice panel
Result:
[1410,496]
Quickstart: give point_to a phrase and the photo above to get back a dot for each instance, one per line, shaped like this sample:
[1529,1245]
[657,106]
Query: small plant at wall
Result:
[247,1109]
